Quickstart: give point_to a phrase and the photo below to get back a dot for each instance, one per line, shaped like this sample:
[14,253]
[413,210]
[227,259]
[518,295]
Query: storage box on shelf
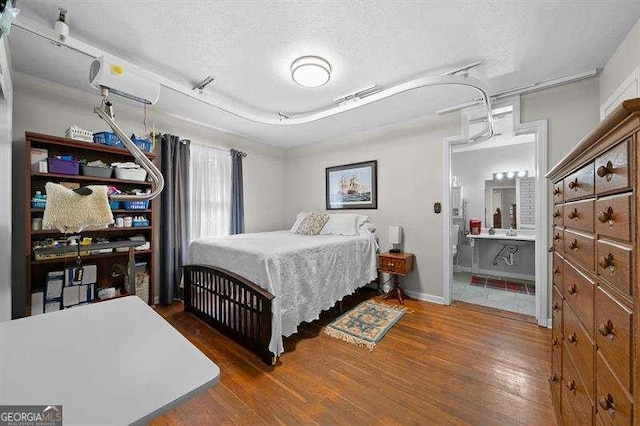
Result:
[37,268]
[595,374]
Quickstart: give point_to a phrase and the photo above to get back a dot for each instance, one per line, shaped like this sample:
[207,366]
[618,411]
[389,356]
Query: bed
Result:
[257,288]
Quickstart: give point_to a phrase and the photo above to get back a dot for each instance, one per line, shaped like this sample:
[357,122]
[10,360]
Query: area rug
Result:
[498,284]
[366,324]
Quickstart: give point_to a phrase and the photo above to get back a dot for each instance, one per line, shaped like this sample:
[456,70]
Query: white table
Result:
[115,362]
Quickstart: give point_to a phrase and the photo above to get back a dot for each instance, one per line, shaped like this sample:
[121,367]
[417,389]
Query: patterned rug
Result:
[518,287]
[366,324]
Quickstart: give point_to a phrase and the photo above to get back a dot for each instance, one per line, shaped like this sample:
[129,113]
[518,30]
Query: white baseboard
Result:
[426,297]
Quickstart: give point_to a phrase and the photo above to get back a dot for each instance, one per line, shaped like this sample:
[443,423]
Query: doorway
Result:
[502,190]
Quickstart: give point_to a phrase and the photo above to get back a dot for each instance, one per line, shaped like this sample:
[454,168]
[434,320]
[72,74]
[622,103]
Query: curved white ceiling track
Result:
[279,119]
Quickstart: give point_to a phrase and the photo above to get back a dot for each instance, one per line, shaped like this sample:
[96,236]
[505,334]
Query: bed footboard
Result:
[231,304]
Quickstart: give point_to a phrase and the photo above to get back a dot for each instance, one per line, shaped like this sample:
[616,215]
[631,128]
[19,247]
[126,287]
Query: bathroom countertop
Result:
[500,236]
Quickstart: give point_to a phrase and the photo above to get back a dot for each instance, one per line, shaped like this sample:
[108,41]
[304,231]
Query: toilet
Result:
[453,239]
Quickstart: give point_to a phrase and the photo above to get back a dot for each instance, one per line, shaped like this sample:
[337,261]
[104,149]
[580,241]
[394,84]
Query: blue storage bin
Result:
[38,204]
[137,223]
[143,144]
[114,205]
[136,205]
[107,138]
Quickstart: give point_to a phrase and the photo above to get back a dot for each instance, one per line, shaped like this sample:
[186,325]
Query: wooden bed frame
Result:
[231,304]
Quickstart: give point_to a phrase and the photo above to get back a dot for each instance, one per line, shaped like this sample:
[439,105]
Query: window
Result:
[210,188]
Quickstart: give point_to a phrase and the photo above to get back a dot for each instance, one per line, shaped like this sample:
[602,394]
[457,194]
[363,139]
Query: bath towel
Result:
[70,212]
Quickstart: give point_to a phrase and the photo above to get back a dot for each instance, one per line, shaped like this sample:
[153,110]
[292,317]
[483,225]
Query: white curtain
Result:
[210,188]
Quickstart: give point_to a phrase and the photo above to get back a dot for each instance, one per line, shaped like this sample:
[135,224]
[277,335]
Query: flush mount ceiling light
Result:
[310,71]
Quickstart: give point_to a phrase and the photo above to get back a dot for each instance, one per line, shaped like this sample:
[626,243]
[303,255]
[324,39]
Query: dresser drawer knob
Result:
[556,270]
[556,213]
[557,237]
[573,214]
[556,191]
[555,378]
[571,385]
[555,342]
[556,306]
[607,262]
[606,170]
[573,338]
[607,330]
[573,245]
[573,289]
[574,184]
[606,402]
[607,216]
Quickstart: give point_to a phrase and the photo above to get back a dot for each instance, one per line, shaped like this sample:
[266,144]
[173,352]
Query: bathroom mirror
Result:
[510,202]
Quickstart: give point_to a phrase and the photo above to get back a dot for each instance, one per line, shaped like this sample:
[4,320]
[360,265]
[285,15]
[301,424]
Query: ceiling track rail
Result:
[277,118]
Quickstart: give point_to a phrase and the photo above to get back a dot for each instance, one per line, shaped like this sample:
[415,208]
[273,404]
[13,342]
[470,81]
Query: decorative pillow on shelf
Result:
[343,224]
[313,224]
[299,218]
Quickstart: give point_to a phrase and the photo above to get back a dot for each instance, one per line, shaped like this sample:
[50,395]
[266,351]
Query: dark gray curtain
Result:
[174,215]
[237,193]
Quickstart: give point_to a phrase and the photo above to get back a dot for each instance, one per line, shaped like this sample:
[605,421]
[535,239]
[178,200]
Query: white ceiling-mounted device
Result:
[61,26]
[107,72]
[111,77]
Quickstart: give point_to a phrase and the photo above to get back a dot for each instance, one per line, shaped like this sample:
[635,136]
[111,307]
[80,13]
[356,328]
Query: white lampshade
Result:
[395,234]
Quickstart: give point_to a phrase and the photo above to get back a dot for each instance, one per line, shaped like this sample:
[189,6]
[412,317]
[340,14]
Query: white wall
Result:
[410,180]
[5,183]
[572,111]
[622,63]
[44,107]
[475,167]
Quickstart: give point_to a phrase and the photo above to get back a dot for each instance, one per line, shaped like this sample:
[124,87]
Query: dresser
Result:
[594,345]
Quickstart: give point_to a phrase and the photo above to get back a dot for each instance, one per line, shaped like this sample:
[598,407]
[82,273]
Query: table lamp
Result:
[395,238]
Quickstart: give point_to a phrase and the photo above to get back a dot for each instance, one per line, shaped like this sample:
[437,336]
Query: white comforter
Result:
[306,274]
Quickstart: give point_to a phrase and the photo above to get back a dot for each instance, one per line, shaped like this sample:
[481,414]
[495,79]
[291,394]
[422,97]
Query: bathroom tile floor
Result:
[494,298]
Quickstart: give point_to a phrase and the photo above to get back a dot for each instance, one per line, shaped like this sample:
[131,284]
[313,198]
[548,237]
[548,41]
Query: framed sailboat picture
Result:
[352,186]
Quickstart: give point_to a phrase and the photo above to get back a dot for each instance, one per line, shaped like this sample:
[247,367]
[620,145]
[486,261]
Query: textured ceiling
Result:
[248,47]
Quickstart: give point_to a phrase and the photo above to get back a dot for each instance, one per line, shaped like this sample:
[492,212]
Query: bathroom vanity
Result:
[514,254]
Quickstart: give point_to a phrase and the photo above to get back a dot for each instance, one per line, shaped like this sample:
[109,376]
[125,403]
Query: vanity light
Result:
[499,176]
[522,173]
[511,175]
[310,71]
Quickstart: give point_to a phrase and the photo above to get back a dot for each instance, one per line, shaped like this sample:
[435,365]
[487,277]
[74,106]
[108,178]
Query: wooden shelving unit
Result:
[36,270]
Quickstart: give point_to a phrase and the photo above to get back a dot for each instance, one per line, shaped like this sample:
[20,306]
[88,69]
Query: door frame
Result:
[540,129]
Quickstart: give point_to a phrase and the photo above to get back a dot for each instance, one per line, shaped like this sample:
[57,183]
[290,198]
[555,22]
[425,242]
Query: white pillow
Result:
[299,218]
[343,224]
[366,229]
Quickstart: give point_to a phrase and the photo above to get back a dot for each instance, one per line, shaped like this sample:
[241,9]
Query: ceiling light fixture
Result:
[311,71]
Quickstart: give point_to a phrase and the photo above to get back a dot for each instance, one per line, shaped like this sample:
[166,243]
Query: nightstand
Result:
[398,265]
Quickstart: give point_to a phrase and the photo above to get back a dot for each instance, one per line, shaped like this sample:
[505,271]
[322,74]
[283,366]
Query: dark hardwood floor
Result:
[438,365]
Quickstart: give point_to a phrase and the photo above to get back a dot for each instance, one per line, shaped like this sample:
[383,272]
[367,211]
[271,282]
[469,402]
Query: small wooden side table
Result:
[398,265]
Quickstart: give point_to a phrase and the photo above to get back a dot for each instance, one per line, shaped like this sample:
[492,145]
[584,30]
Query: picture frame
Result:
[352,186]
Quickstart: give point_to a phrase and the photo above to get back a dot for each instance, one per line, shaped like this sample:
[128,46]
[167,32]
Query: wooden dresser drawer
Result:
[580,347]
[558,264]
[558,215]
[612,169]
[556,315]
[579,215]
[556,373]
[613,335]
[558,240]
[558,192]
[613,216]
[614,266]
[579,294]
[613,404]
[581,248]
[395,263]
[579,184]
[576,404]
